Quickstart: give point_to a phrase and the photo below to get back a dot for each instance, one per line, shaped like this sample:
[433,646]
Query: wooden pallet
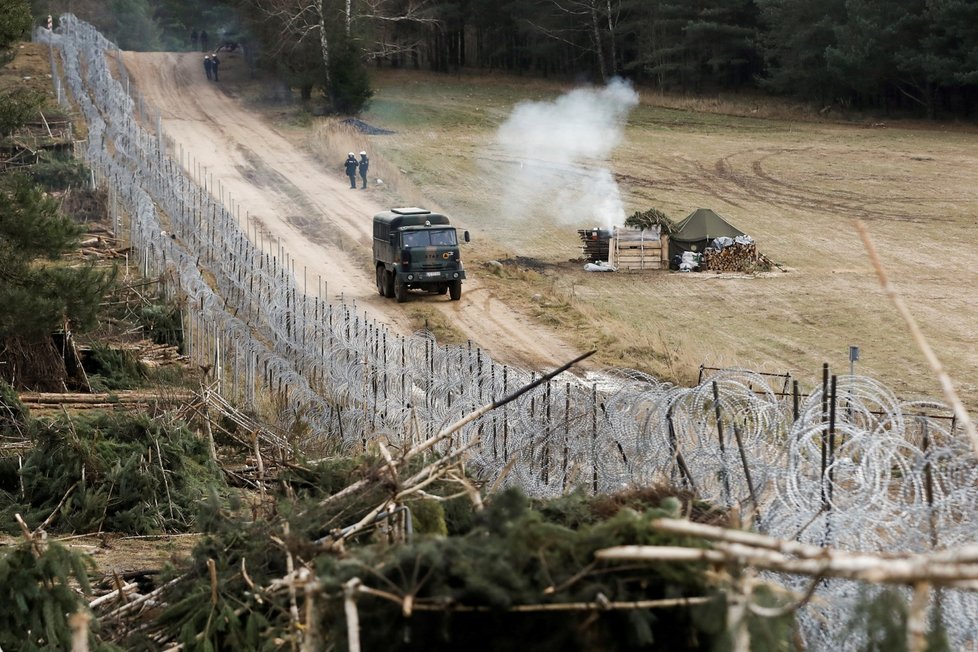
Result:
[639,250]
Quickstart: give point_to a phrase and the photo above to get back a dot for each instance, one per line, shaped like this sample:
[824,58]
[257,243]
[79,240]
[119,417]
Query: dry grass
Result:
[793,184]
[331,138]
[424,317]
[30,68]
[787,175]
[562,298]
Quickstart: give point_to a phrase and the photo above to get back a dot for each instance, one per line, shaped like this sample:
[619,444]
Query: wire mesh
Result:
[854,468]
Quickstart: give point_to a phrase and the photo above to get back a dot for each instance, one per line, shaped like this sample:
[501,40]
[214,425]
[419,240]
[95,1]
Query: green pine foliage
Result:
[14,415]
[908,55]
[350,92]
[17,106]
[162,324]
[38,594]
[120,473]
[937,640]
[135,27]
[650,218]
[771,634]
[516,552]
[38,298]
[880,619]
[113,369]
[15,22]
[58,172]
[794,40]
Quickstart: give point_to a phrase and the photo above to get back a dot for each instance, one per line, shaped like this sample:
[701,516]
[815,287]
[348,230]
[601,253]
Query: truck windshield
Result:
[437,238]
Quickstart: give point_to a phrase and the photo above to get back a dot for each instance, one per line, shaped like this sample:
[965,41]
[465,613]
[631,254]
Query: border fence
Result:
[847,464]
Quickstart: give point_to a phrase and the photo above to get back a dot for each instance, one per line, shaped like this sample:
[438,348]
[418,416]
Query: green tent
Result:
[697,231]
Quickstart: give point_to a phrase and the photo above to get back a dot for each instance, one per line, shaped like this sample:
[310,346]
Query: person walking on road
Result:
[215,63]
[351,168]
[364,164]
[208,66]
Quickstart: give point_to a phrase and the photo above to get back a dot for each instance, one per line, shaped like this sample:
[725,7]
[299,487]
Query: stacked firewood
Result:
[595,243]
[157,355]
[735,258]
[147,352]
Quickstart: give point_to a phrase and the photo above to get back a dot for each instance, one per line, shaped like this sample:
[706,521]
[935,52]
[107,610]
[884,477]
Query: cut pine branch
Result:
[956,568]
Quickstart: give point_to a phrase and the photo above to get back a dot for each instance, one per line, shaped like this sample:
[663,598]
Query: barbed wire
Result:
[851,466]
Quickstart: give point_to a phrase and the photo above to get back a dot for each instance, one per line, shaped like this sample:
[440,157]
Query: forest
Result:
[916,58]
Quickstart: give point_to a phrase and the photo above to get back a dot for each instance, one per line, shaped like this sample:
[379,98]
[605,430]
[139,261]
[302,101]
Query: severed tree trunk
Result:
[324,45]
[597,41]
[611,38]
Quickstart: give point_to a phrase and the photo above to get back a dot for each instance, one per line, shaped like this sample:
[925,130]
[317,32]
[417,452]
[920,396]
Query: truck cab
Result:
[415,248]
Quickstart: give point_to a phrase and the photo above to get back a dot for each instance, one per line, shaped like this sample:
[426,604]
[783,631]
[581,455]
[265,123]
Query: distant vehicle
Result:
[417,249]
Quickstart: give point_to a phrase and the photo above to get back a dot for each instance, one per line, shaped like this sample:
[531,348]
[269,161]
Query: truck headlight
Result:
[410,277]
[455,275]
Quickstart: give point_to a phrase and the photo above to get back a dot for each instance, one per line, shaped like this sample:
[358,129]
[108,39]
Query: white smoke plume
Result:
[561,150]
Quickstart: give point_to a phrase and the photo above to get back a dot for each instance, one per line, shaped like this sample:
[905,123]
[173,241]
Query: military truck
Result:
[417,249]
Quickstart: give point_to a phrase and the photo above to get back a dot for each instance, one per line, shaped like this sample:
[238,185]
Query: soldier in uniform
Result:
[364,164]
[208,66]
[215,63]
[351,168]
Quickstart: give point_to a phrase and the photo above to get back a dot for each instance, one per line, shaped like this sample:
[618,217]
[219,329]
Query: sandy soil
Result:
[291,201]
[117,554]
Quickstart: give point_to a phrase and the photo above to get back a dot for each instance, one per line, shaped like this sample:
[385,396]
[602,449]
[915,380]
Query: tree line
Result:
[905,56]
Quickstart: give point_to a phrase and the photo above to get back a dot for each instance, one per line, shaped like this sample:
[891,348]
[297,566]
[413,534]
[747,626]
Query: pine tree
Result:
[17,106]
[350,92]
[870,45]
[38,296]
[795,37]
[15,21]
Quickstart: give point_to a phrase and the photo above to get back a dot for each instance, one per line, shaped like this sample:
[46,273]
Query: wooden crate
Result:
[639,249]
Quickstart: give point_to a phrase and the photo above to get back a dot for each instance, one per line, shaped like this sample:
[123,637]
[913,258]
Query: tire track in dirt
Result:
[743,184]
[808,197]
[324,225]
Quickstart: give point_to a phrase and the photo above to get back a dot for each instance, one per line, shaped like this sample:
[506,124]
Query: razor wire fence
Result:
[848,464]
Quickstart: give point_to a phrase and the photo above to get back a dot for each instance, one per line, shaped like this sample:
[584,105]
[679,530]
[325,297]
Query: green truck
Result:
[417,249]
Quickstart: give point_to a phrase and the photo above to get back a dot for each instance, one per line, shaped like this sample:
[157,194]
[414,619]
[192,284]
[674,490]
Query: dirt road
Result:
[289,200]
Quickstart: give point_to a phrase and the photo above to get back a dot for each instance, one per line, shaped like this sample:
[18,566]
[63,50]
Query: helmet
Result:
[352,154]
[363,153]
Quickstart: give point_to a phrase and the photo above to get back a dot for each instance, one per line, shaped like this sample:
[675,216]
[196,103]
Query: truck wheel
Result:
[380,281]
[388,284]
[443,289]
[455,290]
[400,291]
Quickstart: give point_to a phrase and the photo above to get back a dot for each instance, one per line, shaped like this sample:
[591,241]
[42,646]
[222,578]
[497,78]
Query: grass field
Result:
[789,177]
[793,180]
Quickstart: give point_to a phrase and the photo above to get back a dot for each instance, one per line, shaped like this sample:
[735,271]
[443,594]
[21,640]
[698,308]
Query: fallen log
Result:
[111,398]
